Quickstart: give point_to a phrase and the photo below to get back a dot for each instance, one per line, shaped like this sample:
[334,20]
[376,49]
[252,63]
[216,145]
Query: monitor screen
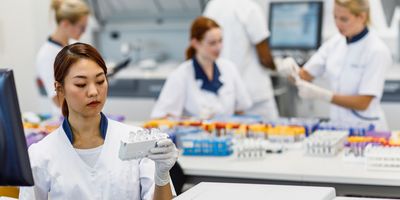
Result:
[15,168]
[295,25]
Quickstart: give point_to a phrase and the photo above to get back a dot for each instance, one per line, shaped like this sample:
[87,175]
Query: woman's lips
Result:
[93,103]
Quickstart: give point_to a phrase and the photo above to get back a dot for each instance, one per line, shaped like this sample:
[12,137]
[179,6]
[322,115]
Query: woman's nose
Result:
[92,91]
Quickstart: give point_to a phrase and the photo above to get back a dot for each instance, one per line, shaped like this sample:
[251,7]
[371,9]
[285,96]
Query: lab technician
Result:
[204,85]
[71,17]
[245,43]
[355,61]
[79,160]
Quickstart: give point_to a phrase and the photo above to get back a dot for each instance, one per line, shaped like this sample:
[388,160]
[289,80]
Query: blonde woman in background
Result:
[355,61]
[71,17]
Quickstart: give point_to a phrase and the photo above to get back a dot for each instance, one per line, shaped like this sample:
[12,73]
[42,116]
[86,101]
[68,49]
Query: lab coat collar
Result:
[54,42]
[214,84]
[358,36]
[103,128]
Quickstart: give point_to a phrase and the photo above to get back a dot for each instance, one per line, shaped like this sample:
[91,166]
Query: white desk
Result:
[232,191]
[293,167]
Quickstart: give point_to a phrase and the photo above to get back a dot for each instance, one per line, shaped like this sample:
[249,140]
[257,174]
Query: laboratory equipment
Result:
[15,167]
[204,144]
[325,142]
[137,144]
[354,128]
[382,157]
[354,147]
[391,97]
[295,25]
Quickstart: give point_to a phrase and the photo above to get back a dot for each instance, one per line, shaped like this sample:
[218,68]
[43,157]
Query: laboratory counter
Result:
[293,167]
[232,191]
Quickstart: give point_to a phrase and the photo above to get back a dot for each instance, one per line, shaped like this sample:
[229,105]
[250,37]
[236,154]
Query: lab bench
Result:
[294,168]
[210,191]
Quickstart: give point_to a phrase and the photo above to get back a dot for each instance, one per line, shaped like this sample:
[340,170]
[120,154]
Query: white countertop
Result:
[235,191]
[162,70]
[291,165]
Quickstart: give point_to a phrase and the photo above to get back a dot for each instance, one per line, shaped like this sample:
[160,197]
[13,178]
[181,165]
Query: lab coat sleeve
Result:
[41,178]
[317,63]
[172,96]
[373,79]
[146,173]
[254,22]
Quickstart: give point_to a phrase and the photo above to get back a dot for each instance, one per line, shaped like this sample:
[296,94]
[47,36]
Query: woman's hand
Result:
[164,155]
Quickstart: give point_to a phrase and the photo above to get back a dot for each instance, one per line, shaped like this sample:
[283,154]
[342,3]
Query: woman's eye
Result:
[80,85]
[100,82]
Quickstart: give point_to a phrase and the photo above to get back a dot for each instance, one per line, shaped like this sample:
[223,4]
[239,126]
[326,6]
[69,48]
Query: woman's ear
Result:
[194,43]
[58,88]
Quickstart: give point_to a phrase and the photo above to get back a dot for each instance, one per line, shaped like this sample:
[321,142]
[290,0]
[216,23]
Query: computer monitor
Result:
[295,25]
[15,168]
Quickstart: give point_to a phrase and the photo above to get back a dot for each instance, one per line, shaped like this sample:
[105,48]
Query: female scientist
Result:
[355,61]
[80,159]
[204,85]
[71,17]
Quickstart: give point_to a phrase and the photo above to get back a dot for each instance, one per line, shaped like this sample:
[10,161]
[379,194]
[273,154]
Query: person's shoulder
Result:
[48,50]
[377,44]
[46,146]
[335,39]
[248,5]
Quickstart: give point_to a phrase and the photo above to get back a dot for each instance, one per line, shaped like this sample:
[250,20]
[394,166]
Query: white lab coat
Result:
[45,70]
[59,172]
[182,94]
[354,69]
[244,25]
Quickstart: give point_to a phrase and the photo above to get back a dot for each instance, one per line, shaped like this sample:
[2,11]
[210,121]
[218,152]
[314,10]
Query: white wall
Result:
[24,27]
[22,24]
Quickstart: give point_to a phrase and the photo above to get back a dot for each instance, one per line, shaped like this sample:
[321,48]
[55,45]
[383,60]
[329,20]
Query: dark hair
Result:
[199,28]
[70,55]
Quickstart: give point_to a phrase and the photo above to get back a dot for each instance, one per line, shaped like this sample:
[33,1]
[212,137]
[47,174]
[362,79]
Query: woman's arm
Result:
[264,55]
[163,192]
[356,102]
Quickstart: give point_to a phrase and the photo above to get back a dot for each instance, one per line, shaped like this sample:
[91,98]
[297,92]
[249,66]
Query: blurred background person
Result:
[245,34]
[355,62]
[71,17]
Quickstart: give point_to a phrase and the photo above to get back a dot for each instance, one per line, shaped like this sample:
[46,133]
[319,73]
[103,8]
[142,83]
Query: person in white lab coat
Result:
[71,18]
[204,85]
[245,43]
[355,61]
[80,159]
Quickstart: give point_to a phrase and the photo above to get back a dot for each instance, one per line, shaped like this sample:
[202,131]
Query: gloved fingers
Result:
[158,150]
[164,156]
[164,142]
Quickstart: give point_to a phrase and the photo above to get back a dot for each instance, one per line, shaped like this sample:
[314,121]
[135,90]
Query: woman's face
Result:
[210,46]
[348,23]
[85,88]
[76,30]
